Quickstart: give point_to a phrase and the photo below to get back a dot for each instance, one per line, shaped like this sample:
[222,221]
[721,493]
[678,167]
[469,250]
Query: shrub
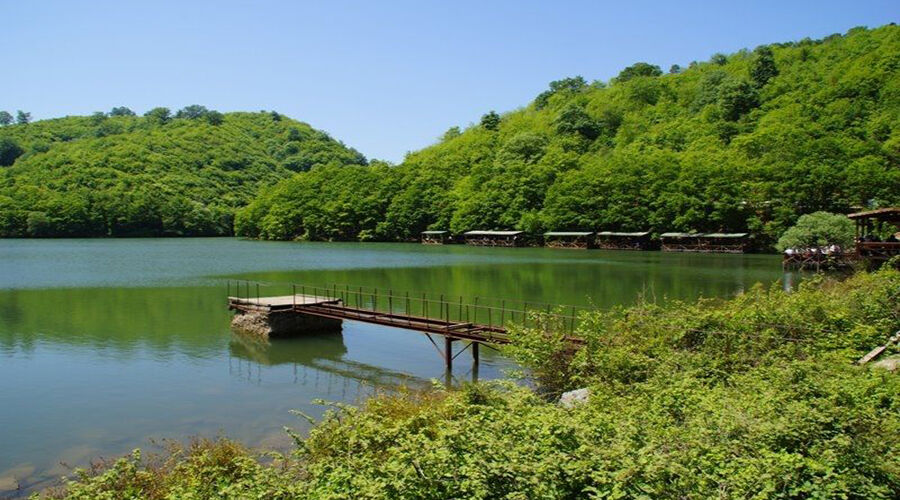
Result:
[816,230]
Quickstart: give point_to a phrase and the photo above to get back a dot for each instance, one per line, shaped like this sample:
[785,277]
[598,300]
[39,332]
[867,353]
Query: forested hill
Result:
[116,174]
[747,141]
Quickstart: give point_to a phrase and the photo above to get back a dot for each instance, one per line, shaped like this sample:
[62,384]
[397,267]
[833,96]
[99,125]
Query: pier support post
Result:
[448,353]
[475,353]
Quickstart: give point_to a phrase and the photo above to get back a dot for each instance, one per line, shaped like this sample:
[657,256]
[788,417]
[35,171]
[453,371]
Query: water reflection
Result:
[313,353]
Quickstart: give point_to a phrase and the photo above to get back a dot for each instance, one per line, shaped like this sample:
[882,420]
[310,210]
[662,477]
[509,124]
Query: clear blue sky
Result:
[384,77]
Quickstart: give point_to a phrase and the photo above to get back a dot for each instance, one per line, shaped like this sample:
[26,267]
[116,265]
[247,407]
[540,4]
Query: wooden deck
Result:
[279,303]
[476,322]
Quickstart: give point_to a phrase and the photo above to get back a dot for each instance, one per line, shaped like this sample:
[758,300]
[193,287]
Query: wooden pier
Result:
[479,321]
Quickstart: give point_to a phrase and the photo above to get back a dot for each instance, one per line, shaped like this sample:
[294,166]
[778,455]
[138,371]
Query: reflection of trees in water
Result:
[317,361]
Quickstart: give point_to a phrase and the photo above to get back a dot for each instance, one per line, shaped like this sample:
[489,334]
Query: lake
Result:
[106,345]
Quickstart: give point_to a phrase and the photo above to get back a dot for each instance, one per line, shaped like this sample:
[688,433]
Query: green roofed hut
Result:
[615,240]
[705,242]
[569,239]
[435,237]
[495,238]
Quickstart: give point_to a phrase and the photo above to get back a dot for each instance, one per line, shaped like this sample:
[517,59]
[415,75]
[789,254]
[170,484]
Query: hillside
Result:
[744,142]
[124,175]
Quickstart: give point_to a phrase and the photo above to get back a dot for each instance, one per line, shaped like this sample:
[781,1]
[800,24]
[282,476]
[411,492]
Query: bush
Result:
[817,230]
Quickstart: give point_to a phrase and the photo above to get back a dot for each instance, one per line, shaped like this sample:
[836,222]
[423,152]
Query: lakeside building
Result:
[877,233]
[435,237]
[569,239]
[495,238]
[705,242]
[612,240]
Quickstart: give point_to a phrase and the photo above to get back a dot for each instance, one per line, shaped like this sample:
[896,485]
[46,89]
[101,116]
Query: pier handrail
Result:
[483,313]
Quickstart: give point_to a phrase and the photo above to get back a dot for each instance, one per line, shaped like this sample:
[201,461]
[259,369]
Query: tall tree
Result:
[192,112]
[637,70]
[159,115]
[121,111]
[5,118]
[490,121]
[22,118]
[762,68]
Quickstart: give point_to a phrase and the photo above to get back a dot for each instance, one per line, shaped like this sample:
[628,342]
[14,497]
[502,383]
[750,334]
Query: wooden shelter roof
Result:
[891,213]
[704,235]
[679,235]
[493,233]
[724,235]
[435,232]
[568,233]
[619,233]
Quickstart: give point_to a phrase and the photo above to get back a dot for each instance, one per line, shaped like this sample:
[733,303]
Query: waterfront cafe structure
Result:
[612,240]
[495,238]
[877,233]
[435,237]
[704,242]
[570,239]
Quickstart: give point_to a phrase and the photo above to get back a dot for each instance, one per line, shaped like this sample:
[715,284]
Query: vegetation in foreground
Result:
[163,174]
[754,397]
[743,142]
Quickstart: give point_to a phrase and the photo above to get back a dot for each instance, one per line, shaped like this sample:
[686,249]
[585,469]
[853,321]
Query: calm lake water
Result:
[106,345]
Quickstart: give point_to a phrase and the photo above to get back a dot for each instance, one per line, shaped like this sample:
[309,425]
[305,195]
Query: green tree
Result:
[215,118]
[819,229]
[636,70]
[121,111]
[5,118]
[98,117]
[574,120]
[736,97]
[9,151]
[674,69]
[159,115]
[22,118]
[719,59]
[762,67]
[192,112]
[490,121]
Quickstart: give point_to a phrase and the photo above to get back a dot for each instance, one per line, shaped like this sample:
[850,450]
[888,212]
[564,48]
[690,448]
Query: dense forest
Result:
[172,174]
[742,142]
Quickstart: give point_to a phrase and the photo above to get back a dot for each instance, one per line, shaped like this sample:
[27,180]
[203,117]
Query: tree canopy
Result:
[818,230]
[117,174]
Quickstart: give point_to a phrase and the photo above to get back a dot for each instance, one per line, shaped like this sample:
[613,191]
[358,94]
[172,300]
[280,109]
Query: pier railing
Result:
[445,311]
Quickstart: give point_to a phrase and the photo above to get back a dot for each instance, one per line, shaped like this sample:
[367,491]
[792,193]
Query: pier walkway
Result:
[478,320]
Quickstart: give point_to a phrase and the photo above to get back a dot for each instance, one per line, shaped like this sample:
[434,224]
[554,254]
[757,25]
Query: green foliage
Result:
[490,121]
[121,175]
[121,111]
[192,112]
[9,151]
[203,469]
[762,68]
[23,118]
[705,149]
[736,97]
[637,70]
[564,86]
[5,118]
[159,116]
[818,230]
